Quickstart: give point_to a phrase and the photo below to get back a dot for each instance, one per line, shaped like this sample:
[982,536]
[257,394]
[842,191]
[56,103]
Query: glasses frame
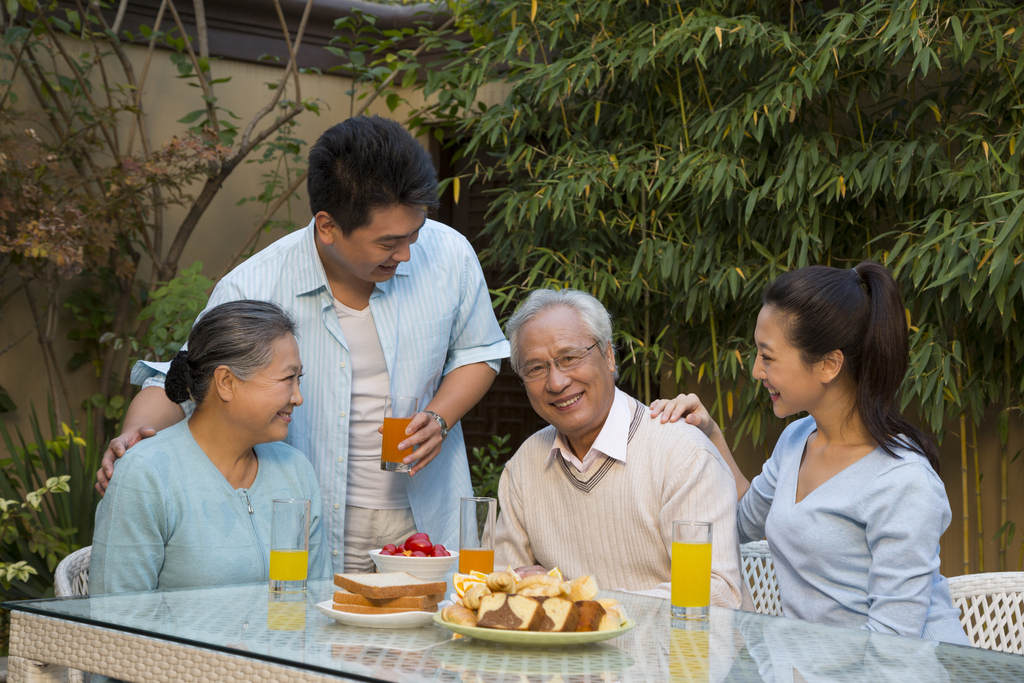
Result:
[583,352]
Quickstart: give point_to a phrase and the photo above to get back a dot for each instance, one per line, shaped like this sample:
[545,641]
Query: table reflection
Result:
[792,651]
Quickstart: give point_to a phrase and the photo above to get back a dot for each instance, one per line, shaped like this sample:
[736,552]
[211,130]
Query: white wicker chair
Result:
[72,578]
[759,573]
[991,609]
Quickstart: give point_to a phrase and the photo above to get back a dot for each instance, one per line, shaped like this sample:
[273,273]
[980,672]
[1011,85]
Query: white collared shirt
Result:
[610,441]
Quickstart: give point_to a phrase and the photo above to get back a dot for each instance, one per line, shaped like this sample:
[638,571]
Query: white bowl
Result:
[426,568]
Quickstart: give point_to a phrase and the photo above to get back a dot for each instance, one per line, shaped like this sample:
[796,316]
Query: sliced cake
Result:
[560,614]
[509,612]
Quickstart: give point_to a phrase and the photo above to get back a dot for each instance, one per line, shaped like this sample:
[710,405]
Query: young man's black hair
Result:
[368,163]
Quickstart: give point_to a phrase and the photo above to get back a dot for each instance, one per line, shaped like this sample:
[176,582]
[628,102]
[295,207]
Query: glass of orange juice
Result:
[289,544]
[691,569]
[476,534]
[398,413]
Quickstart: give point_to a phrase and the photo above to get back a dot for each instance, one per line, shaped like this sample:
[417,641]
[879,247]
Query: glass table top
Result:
[731,646]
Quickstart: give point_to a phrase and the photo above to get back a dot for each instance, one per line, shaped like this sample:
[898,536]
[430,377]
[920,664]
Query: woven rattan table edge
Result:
[138,659]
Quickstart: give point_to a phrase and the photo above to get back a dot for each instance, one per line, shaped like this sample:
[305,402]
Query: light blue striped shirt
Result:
[433,316]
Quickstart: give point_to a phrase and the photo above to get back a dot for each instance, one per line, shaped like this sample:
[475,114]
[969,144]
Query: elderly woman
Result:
[191,506]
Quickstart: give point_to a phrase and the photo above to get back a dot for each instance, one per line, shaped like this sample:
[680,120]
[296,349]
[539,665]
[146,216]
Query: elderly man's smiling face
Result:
[576,401]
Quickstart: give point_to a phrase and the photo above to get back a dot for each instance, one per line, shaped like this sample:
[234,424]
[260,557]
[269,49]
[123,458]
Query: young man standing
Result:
[387,302]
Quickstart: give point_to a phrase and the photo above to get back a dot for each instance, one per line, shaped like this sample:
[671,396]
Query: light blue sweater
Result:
[862,549]
[170,519]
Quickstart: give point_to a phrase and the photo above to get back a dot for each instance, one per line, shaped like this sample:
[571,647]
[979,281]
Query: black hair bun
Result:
[178,378]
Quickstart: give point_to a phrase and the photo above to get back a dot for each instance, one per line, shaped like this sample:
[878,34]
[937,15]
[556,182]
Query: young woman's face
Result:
[794,385]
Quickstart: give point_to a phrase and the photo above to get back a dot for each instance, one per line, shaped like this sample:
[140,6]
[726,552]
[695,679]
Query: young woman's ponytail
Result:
[884,352]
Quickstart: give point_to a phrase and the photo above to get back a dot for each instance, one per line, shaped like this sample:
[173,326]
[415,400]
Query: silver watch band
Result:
[440,423]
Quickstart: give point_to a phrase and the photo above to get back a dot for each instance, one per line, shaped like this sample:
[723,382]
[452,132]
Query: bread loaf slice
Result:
[591,614]
[509,612]
[560,614]
[388,585]
[363,609]
[344,597]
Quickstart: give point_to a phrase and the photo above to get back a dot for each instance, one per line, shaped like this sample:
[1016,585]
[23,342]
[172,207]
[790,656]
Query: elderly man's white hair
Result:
[596,321]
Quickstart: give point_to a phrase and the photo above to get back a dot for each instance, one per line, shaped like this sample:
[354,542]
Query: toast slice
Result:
[388,585]
[344,597]
[363,609]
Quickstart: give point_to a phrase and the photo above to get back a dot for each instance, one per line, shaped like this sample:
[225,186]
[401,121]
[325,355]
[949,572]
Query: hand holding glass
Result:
[476,534]
[289,544]
[398,413]
[691,569]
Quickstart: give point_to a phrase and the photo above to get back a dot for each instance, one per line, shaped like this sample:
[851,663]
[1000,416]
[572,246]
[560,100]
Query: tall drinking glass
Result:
[289,544]
[691,569]
[398,413]
[476,534]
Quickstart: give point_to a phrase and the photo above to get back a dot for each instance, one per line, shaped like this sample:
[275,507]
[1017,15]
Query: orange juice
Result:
[476,559]
[394,434]
[691,574]
[289,565]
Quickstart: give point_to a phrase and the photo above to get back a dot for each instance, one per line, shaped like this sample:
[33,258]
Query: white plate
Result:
[397,620]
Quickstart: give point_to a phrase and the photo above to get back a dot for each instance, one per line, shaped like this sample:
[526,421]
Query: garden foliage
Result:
[674,157]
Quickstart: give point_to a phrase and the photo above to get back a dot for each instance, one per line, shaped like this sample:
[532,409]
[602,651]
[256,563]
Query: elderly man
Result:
[597,491]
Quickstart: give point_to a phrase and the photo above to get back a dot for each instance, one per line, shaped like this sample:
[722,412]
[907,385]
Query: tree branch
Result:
[210,189]
[81,84]
[289,69]
[18,340]
[288,192]
[207,93]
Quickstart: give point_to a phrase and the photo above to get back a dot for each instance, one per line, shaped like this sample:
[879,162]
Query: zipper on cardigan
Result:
[255,533]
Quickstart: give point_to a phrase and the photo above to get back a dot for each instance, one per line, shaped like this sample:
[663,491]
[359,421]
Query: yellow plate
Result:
[535,638]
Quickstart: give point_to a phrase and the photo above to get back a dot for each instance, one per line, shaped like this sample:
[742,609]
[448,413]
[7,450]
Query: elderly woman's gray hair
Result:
[596,321]
[238,334]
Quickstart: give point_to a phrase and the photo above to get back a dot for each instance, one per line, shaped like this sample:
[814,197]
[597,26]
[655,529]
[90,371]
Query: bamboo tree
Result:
[977,497]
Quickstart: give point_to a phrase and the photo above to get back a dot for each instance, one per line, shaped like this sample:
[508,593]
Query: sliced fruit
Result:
[556,573]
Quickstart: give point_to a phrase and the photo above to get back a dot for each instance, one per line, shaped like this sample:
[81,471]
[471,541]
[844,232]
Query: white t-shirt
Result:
[368,485]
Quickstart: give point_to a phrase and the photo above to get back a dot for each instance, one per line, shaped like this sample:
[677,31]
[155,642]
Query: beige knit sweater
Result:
[615,520]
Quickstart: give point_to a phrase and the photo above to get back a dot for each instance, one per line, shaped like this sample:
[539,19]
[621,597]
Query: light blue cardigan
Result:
[170,519]
[862,549]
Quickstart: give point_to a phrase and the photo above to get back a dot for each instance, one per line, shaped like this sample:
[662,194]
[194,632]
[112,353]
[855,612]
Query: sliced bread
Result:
[344,597]
[363,609]
[388,585]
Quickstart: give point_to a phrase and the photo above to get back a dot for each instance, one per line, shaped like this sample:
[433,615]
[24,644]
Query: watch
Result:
[440,423]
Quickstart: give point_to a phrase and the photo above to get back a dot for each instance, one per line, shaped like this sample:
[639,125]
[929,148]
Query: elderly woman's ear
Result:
[225,383]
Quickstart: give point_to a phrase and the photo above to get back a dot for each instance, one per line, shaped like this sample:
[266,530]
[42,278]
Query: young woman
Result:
[191,506]
[850,501]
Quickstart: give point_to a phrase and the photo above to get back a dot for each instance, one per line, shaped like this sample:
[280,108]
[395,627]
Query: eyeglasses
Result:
[567,361]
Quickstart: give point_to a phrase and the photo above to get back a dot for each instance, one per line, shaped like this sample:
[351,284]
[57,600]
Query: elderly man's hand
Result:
[687,406]
[118,447]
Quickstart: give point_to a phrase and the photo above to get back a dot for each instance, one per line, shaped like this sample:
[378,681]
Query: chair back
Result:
[991,609]
[759,573]
[72,574]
